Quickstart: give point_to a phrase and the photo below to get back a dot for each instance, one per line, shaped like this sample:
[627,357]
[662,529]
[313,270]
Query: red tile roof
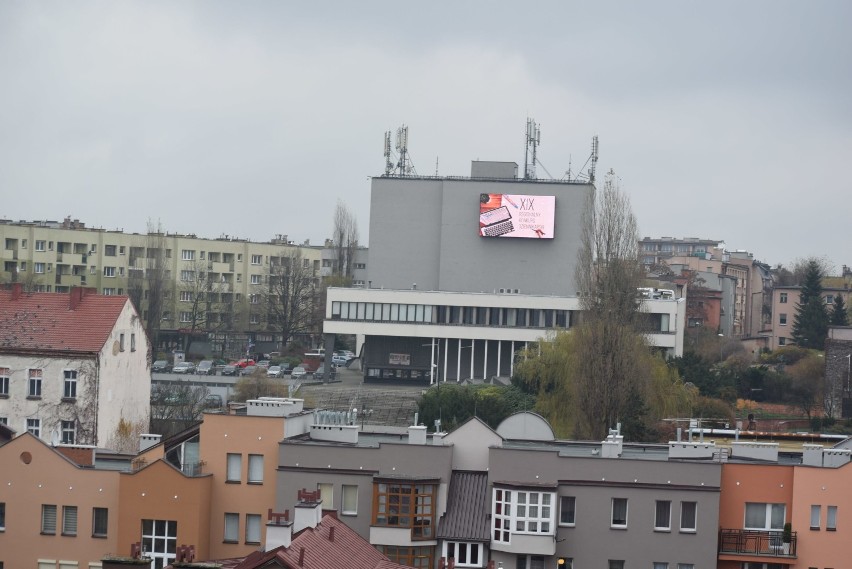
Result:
[44,321]
[348,550]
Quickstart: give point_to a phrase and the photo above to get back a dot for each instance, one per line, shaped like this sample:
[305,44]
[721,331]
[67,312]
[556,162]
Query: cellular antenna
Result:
[388,163]
[594,159]
[533,140]
[403,167]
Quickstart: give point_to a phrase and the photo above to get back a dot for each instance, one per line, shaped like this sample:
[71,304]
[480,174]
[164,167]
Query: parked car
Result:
[230,370]
[274,371]
[161,366]
[263,363]
[298,372]
[184,367]
[320,372]
[213,401]
[205,367]
[248,370]
[244,363]
[340,360]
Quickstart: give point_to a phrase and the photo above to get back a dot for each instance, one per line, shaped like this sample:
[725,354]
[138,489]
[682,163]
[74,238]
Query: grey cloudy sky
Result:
[724,120]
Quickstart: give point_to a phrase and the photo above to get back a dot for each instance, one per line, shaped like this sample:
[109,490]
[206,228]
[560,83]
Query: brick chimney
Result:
[279,530]
[78,293]
[83,455]
[308,511]
[17,290]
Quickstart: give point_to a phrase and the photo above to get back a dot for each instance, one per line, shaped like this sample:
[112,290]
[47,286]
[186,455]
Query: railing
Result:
[756,542]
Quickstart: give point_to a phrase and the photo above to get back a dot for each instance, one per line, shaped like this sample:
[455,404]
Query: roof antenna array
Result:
[533,140]
[404,166]
[388,162]
[594,159]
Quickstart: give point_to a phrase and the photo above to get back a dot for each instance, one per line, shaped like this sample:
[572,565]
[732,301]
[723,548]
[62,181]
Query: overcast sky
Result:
[724,120]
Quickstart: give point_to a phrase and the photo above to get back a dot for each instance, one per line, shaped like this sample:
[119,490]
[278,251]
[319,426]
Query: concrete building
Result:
[838,372]
[785,300]
[657,250]
[463,272]
[231,275]
[72,366]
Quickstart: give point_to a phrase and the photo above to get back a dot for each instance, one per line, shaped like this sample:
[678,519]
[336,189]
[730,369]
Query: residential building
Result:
[785,302]
[463,272]
[72,366]
[214,291]
[838,372]
[659,250]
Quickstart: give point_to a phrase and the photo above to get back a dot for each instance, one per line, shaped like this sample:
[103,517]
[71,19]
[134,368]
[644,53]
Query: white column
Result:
[485,362]
[446,345]
[499,354]
[471,358]
[458,362]
[432,363]
[512,361]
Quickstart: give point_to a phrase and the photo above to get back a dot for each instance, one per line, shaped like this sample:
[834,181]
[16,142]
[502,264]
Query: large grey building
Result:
[464,272]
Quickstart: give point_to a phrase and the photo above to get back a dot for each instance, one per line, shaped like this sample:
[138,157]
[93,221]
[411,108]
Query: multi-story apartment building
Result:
[785,300]
[654,251]
[212,291]
[463,272]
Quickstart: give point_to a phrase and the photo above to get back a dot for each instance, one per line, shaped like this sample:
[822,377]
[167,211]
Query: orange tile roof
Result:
[44,321]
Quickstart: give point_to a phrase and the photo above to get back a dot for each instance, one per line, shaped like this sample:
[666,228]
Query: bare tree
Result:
[291,294]
[176,406]
[345,240]
[198,294]
[155,280]
[808,385]
[258,385]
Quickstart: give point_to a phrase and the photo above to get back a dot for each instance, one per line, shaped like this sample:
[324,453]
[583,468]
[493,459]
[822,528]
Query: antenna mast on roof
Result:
[405,166]
[533,140]
[388,163]
[594,159]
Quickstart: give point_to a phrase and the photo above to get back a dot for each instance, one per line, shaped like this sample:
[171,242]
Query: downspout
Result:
[97,396]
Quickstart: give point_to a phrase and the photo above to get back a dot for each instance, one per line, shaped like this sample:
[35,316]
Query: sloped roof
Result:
[466,518]
[348,550]
[44,322]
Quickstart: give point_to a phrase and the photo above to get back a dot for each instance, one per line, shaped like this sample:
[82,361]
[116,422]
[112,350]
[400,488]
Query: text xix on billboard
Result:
[512,215]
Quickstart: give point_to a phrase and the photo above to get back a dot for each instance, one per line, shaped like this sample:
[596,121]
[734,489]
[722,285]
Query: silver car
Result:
[184,367]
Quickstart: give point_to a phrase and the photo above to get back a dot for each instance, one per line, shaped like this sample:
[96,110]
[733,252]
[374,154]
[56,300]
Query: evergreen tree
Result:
[810,325]
[838,315]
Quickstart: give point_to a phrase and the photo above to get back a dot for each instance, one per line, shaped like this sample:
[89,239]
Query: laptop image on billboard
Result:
[495,222]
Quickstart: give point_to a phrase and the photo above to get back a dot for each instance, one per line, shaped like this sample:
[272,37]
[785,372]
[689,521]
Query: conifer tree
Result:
[839,317]
[810,325]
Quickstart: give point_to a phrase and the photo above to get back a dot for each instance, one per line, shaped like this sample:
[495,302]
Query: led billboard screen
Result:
[512,215]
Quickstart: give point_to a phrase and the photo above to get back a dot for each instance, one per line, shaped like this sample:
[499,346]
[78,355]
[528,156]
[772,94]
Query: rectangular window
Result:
[100,522]
[2,516]
[256,259]
[235,467]
[326,495]
[520,511]
[69,432]
[34,385]
[132,342]
[121,342]
[782,341]
[34,427]
[567,508]
[187,276]
[782,319]
[109,250]
[69,520]
[350,499]
[663,515]
[688,511]
[253,528]
[48,519]
[619,513]
[109,292]
[109,271]
[255,469]
[39,245]
[5,373]
[186,316]
[232,528]
[38,268]
[187,255]
[660,565]
[405,505]
[685,566]
[831,518]
[616,564]
[254,319]
[255,279]
[159,541]
[816,513]
[763,516]
[186,296]
[466,554]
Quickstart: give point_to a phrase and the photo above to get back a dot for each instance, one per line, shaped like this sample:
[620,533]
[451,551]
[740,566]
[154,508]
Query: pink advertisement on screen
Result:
[511,215]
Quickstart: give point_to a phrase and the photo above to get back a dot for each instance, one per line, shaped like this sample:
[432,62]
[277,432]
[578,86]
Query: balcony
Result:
[756,546]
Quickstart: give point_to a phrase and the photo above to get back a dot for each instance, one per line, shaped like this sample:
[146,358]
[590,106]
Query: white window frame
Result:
[346,494]
[326,495]
[187,255]
[168,537]
[34,427]
[34,382]
[612,521]
[40,245]
[782,319]
[109,272]
[255,469]
[187,276]
[69,520]
[831,518]
[255,279]
[516,511]
[185,296]
[253,525]
[694,528]
[767,524]
[563,500]
[816,514]
[257,259]
[668,522]
[232,528]
[234,467]
[186,316]
[39,268]
[463,550]
[68,430]
[5,378]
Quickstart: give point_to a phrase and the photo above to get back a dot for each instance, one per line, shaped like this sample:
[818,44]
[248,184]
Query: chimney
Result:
[279,530]
[76,297]
[146,441]
[613,446]
[301,557]
[82,455]
[416,433]
[17,290]
[308,511]
[331,533]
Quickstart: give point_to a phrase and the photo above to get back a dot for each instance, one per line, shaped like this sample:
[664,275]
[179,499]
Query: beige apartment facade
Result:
[214,289]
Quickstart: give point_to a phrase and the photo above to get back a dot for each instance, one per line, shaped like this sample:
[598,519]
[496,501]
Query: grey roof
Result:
[466,518]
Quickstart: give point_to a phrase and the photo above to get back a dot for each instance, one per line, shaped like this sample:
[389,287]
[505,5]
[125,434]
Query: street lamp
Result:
[721,340]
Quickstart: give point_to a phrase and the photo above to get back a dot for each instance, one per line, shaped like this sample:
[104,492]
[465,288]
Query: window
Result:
[235,467]
[109,250]
[783,319]
[360,265]
[121,342]
[816,513]
[38,268]
[567,508]
[619,513]
[4,381]
[159,541]
[326,495]
[69,520]
[2,516]
[39,245]
[255,279]
[255,469]
[132,342]
[252,528]
[519,511]
[831,518]
[663,515]
[34,385]
[687,516]
[418,557]
[405,505]
[254,298]
[617,564]
[121,250]
[685,566]
[782,298]
[69,432]
[350,499]
[660,565]
[48,519]
[100,522]
[829,299]
[186,316]
[232,528]
[109,271]
[186,296]
[256,259]
[187,255]
[109,292]
[759,515]
[187,276]
[465,554]
[530,562]
[254,319]
[34,427]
